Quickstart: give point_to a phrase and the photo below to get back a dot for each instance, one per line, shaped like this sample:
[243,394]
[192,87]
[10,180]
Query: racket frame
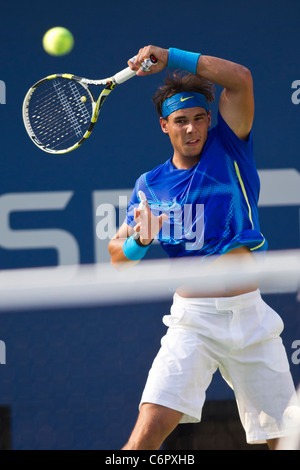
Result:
[109,83]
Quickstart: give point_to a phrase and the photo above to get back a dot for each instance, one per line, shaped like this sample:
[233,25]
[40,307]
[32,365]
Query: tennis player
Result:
[202,202]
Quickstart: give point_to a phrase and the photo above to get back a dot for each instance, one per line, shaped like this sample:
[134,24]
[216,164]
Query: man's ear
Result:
[209,118]
[164,125]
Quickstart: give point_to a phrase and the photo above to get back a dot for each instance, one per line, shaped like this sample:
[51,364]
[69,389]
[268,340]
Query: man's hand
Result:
[145,53]
[147,224]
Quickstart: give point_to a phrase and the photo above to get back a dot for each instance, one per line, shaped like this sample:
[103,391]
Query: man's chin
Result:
[191,155]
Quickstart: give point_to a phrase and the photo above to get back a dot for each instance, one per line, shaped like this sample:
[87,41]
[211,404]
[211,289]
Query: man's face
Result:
[188,130]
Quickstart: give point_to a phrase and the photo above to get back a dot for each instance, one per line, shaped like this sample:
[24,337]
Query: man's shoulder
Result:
[162,169]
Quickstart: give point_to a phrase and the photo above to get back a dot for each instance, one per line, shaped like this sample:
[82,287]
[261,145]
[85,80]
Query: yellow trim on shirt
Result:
[247,201]
[244,191]
[258,246]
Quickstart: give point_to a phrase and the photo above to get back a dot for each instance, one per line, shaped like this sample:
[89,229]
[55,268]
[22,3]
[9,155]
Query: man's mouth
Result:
[193,142]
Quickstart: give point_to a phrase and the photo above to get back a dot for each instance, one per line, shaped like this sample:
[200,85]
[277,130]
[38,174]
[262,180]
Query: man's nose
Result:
[190,127]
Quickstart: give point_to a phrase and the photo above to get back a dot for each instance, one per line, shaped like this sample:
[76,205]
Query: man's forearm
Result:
[115,249]
[229,75]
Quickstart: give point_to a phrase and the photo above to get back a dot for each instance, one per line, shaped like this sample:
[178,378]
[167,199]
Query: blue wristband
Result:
[133,251]
[183,60]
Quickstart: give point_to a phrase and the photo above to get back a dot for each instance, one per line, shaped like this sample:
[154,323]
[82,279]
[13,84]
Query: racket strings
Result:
[60,113]
[63,119]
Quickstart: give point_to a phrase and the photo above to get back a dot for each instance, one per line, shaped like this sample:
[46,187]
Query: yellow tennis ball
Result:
[58,41]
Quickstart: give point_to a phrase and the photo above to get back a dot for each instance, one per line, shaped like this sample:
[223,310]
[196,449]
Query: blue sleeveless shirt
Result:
[212,207]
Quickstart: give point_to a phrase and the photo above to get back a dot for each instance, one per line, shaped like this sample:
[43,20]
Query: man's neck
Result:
[184,163]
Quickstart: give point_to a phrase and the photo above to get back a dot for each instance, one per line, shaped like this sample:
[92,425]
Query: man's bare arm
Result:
[115,247]
[237,101]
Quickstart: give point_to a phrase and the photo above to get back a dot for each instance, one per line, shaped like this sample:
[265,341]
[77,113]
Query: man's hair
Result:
[179,82]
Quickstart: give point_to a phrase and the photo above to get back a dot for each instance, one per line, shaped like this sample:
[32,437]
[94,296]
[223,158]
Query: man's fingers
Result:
[146,223]
[142,206]
[142,196]
[143,199]
[137,228]
[162,219]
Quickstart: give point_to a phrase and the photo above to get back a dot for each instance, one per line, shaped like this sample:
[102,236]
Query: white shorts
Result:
[239,335]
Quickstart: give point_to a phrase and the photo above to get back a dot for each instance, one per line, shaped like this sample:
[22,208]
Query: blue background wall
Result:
[73,378]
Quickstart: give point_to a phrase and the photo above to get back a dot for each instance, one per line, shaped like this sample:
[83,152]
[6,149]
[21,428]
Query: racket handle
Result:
[124,75]
[127,73]
[146,65]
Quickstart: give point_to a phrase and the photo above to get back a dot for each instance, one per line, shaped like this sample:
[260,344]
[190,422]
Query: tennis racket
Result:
[60,111]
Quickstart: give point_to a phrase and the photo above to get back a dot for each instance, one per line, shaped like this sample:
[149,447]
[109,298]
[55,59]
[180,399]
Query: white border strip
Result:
[101,284]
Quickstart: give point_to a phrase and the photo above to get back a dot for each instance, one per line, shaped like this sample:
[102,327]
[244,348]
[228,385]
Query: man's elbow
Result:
[245,77]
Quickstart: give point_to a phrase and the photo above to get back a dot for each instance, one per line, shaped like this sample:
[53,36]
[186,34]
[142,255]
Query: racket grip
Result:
[124,75]
[127,73]
[146,65]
